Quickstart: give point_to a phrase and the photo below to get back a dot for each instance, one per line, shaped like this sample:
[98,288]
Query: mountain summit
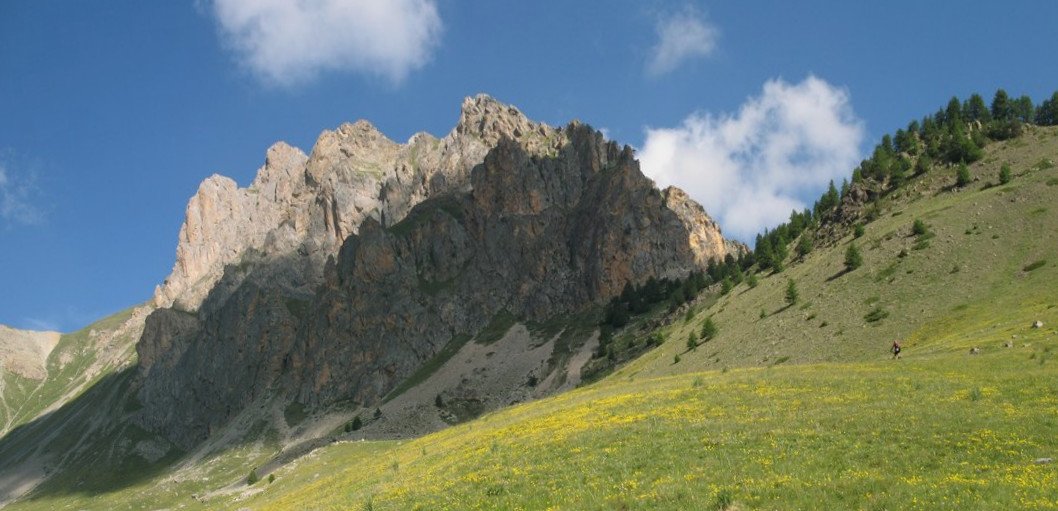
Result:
[335,276]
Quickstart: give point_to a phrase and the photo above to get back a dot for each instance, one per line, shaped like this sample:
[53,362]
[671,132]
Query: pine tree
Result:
[1001,109]
[953,114]
[1047,113]
[1023,110]
[357,423]
[962,175]
[804,246]
[853,259]
[976,110]
[438,402]
[791,293]
[709,329]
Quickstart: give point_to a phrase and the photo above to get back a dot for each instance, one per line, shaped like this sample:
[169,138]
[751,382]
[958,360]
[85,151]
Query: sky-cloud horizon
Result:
[682,36]
[750,169]
[287,44]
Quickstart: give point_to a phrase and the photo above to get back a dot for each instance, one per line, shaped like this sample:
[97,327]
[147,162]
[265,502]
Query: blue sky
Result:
[111,113]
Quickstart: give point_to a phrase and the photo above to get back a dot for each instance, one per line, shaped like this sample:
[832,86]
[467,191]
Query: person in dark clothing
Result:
[895,349]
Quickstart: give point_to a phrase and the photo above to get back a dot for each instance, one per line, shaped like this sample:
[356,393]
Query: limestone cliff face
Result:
[308,205]
[335,276]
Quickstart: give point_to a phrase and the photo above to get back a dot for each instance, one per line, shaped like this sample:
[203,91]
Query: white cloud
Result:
[17,201]
[681,36]
[750,169]
[290,42]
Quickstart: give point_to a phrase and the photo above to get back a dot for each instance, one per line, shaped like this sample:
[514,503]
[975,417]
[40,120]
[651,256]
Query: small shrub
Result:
[975,394]
[724,500]
[1052,181]
[919,228]
[751,281]
[1005,175]
[692,343]
[859,230]
[875,315]
[1035,266]
[252,478]
[378,413]
[271,478]
[902,254]
[676,359]
[356,424]
[920,245]
[781,359]
[726,286]
[438,402]
[763,314]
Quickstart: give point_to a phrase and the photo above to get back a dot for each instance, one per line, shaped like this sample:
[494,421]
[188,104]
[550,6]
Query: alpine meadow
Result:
[658,287]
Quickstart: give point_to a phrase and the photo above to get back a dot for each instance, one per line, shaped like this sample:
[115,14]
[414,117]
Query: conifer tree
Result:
[962,175]
[853,259]
[791,293]
[709,329]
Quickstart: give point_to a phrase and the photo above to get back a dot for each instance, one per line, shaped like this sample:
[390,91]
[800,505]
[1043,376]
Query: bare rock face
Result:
[25,352]
[333,277]
[310,204]
[704,235]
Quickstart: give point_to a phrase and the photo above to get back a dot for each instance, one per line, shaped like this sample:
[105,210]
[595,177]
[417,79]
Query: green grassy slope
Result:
[76,363]
[779,412]
[968,282]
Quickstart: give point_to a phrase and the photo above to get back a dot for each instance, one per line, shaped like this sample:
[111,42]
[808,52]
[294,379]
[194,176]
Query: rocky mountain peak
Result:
[430,240]
[485,118]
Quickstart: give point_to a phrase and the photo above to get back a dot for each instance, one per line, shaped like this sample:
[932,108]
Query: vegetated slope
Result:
[970,268]
[938,429]
[37,417]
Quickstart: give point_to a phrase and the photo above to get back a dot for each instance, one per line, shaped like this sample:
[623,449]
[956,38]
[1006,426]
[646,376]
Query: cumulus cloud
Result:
[751,168]
[17,203]
[682,36]
[290,42]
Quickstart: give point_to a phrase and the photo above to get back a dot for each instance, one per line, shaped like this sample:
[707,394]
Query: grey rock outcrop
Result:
[308,205]
[335,276]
